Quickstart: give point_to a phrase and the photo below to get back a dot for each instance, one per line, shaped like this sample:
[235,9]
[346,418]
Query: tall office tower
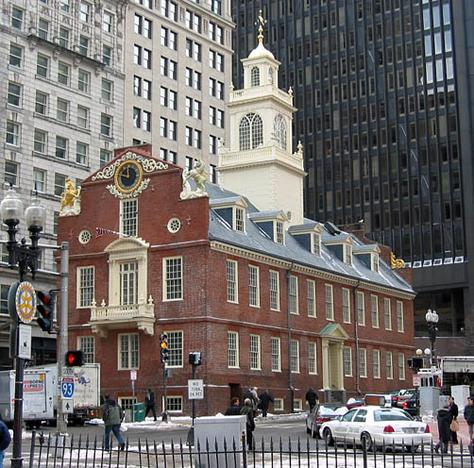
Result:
[61,89]
[178,75]
[383,93]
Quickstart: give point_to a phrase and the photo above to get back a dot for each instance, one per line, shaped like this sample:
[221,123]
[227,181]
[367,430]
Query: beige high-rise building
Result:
[61,90]
[178,75]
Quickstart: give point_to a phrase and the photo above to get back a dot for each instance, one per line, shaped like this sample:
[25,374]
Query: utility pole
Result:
[63,335]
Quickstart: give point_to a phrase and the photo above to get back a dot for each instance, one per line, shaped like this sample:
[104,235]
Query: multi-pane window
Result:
[107,55]
[193,78]
[173,278]
[250,132]
[39,180]
[312,358]
[15,57]
[360,308]
[255,358]
[59,184]
[107,22]
[387,313]
[193,21]
[216,117]
[168,128]
[142,87]
[168,155]
[169,68]
[254,286]
[83,80]
[274,289]
[87,345]
[279,232]
[168,98]
[63,73]
[193,50]
[389,365]
[363,363]
[279,129]
[175,346]
[84,12]
[64,5]
[193,107]
[17,17]
[42,65]
[376,363]
[275,345]
[216,60]
[295,356]
[41,103]
[316,244]
[142,119]
[329,301]
[143,26]
[346,305]
[216,32]
[400,320]
[64,36]
[11,173]
[239,223]
[107,90]
[347,361]
[61,147]
[82,152]
[128,351]
[40,141]
[174,403]
[232,281]
[374,310]
[43,29]
[142,56]
[13,132]
[212,144]
[255,76]
[168,38]
[129,217]
[104,156]
[62,110]
[293,295]
[128,283]
[311,297]
[193,137]
[106,125]
[14,94]
[401,366]
[232,349]
[169,9]
[85,286]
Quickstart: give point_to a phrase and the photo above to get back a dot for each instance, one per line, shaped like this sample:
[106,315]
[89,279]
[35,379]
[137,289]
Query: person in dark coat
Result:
[469,416]
[265,400]
[5,439]
[311,398]
[454,410]
[234,408]
[112,415]
[247,410]
[251,394]
[444,420]
[150,404]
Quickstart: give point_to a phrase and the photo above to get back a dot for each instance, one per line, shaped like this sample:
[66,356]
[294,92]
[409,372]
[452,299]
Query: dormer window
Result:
[239,220]
[316,244]
[279,232]
[375,260]
[255,77]
[348,254]
[232,212]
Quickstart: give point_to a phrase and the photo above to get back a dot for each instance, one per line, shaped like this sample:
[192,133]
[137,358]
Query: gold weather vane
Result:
[261,22]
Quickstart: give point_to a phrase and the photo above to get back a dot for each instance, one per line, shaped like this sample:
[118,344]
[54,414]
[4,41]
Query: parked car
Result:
[373,426]
[410,402]
[321,414]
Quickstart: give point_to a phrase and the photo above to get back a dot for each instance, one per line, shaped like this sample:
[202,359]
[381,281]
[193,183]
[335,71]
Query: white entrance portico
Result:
[332,340]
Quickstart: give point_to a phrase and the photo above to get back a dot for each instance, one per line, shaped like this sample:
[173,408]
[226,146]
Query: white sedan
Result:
[375,426]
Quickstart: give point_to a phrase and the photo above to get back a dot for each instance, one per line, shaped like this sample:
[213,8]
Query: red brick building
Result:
[238,284]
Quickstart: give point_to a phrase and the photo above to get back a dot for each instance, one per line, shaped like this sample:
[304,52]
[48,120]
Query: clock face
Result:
[128,176]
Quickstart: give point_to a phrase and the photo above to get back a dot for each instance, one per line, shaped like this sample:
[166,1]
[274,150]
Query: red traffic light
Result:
[74,358]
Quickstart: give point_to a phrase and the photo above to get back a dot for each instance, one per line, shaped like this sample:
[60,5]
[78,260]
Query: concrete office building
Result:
[62,86]
[178,75]
[385,105]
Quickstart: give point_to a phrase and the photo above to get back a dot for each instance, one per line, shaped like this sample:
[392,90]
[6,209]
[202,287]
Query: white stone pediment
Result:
[127,244]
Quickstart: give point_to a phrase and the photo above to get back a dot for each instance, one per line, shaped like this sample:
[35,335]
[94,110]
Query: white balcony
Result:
[108,317]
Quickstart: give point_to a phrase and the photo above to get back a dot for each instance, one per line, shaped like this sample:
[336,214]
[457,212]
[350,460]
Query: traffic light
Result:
[45,309]
[195,358]
[164,352]
[74,358]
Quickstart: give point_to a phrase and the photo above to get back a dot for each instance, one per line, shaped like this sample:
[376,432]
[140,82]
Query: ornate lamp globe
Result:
[11,208]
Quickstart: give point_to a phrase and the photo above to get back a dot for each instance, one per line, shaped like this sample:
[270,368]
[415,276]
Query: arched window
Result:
[255,77]
[250,132]
[279,130]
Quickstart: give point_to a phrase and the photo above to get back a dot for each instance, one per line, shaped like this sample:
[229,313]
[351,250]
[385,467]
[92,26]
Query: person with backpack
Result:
[5,439]
[113,417]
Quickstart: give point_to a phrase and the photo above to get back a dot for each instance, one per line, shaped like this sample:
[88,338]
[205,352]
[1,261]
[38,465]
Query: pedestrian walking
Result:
[247,410]
[454,425]
[311,398]
[234,408]
[252,395]
[469,416]
[5,439]
[150,404]
[113,417]
[265,400]
[444,418]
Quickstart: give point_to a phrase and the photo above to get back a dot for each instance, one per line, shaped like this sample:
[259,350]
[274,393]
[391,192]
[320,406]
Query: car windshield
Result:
[391,415]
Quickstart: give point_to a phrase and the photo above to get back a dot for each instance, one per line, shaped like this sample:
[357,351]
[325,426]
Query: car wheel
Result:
[327,435]
[366,441]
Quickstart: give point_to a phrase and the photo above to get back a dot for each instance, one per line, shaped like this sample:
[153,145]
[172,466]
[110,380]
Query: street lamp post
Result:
[25,258]
[432,319]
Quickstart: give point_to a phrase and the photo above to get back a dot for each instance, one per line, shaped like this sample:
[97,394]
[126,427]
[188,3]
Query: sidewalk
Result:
[463,434]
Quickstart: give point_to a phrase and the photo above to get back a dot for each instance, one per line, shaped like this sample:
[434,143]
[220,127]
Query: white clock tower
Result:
[257,161]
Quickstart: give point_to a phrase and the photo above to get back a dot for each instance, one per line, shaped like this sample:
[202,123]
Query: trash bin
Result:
[138,412]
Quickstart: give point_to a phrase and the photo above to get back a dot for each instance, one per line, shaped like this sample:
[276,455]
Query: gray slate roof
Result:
[255,240]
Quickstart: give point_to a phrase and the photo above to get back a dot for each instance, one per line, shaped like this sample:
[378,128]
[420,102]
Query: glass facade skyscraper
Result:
[384,114]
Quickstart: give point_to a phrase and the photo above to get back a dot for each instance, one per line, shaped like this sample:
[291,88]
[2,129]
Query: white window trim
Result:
[236,264]
[348,292]
[237,350]
[296,311]
[257,269]
[259,364]
[350,360]
[278,404]
[168,332]
[362,295]
[122,220]
[179,397]
[78,285]
[402,328]
[372,296]
[389,353]
[119,366]
[275,232]
[298,363]
[401,359]
[279,354]
[164,278]
[330,286]
[376,352]
[78,343]
[316,243]
[364,352]
[310,283]
[314,346]
[389,302]
[234,218]
[278,289]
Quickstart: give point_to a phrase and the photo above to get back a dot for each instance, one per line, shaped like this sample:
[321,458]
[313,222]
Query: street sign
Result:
[25,301]
[67,387]
[67,406]
[24,341]
[195,389]
[133,375]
